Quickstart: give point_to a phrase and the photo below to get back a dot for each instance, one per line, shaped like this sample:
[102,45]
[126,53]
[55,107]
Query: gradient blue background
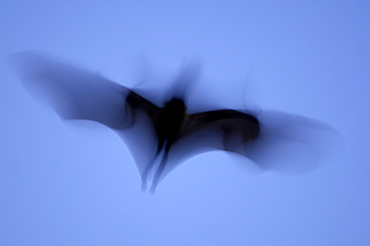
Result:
[66,184]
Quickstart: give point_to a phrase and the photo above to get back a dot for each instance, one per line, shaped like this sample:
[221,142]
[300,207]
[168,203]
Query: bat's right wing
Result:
[75,93]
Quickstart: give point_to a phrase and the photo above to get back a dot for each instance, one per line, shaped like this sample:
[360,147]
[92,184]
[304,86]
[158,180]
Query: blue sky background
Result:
[62,183]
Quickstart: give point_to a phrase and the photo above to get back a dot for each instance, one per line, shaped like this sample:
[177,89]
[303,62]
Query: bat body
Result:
[160,136]
[172,124]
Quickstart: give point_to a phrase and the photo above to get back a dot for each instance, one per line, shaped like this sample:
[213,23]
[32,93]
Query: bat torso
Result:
[171,118]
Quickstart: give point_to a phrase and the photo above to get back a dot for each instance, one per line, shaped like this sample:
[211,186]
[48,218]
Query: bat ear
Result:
[184,82]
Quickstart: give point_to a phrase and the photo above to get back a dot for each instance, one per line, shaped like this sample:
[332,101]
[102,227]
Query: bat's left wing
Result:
[231,127]
[272,140]
[228,130]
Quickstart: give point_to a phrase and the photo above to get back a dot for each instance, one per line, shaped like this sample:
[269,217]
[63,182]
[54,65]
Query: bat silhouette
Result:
[161,137]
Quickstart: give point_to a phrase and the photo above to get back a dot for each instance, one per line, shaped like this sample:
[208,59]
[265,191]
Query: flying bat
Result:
[162,135]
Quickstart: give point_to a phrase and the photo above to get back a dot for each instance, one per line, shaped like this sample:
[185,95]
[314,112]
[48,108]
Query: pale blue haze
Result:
[64,183]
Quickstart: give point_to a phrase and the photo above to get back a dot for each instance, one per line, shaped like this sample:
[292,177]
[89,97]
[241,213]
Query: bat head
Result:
[176,103]
[184,83]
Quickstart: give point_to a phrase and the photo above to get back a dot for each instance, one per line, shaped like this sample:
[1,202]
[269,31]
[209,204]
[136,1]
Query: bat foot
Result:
[152,189]
[143,186]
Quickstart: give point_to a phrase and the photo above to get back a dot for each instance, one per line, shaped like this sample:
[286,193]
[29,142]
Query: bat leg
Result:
[144,175]
[158,173]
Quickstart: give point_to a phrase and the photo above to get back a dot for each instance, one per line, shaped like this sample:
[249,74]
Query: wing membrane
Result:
[75,93]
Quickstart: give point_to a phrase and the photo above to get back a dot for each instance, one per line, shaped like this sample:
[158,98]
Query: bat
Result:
[162,135]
